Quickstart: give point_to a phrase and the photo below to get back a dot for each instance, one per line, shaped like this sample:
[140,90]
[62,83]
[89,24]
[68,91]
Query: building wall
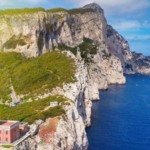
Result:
[8,135]
[5,135]
[23,129]
[14,134]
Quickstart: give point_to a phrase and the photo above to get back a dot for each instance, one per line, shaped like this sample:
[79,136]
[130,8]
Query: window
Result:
[6,139]
[6,132]
[0,131]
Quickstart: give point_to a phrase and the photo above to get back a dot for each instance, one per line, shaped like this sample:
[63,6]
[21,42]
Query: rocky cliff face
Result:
[132,62]
[68,132]
[38,33]
[41,32]
[100,53]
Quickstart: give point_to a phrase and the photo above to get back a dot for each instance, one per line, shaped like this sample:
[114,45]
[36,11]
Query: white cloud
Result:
[127,25]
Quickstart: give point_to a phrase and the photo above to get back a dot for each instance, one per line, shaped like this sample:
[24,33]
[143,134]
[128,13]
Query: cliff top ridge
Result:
[93,6]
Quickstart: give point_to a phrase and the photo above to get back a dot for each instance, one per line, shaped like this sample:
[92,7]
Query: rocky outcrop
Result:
[35,34]
[132,62]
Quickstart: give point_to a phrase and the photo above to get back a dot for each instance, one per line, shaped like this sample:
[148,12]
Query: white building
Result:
[53,104]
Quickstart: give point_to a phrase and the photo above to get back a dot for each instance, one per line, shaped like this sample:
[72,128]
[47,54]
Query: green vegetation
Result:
[55,10]
[34,76]
[7,146]
[13,42]
[106,54]
[31,111]
[45,72]
[35,10]
[86,47]
[71,11]
[79,11]
[20,11]
[8,61]
[65,47]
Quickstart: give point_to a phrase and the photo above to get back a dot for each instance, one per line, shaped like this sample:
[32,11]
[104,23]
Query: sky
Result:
[129,17]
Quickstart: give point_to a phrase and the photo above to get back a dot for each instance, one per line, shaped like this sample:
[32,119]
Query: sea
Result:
[121,118]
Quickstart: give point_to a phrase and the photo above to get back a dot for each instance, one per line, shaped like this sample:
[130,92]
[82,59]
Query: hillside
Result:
[32,77]
[38,69]
[25,112]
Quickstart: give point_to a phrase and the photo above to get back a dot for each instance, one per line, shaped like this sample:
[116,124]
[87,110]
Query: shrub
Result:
[86,47]
[79,11]
[31,111]
[65,47]
[13,42]
[54,10]
[20,11]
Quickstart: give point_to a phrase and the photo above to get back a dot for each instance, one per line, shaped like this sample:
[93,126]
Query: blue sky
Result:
[129,17]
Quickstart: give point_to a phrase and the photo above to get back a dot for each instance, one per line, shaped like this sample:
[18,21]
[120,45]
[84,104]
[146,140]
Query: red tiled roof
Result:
[5,123]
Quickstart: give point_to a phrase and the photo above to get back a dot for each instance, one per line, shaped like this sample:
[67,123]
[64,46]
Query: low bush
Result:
[31,111]
[79,11]
[88,46]
[20,11]
[13,42]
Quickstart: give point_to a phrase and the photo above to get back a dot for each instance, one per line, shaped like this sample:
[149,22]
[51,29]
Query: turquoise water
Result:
[121,119]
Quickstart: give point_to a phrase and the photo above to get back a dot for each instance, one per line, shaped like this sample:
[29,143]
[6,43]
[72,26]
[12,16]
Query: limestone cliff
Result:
[100,53]
[69,131]
[43,31]
[37,33]
[132,62]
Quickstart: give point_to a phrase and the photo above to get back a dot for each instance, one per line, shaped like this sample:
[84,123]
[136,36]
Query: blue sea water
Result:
[121,119]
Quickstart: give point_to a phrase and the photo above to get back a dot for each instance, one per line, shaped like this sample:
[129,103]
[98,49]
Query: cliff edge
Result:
[101,56]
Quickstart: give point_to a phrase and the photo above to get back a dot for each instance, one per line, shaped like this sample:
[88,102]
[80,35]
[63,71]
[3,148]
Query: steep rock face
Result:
[37,33]
[66,132]
[41,32]
[69,131]
[132,62]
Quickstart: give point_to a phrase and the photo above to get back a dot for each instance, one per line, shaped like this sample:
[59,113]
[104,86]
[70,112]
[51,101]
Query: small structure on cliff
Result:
[10,131]
[53,104]
[24,128]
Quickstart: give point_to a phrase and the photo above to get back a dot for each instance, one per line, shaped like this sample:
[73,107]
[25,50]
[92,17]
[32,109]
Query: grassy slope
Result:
[8,61]
[32,111]
[35,10]
[32,76]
